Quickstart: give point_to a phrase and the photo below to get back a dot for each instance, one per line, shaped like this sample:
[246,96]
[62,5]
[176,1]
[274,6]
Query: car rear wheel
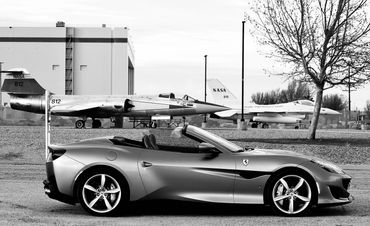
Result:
[102,193]
[292,194]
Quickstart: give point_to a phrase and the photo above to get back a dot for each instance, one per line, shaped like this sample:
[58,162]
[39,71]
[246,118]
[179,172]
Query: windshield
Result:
[167,95]
[188,98]
[219,140]
[305,102]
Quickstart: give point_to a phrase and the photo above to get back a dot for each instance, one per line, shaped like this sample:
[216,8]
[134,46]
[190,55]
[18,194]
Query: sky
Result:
[170,39]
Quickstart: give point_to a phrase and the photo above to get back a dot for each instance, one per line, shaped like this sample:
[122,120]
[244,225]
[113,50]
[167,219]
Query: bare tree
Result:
[323,42]
[295,91]
[333,101]
[270,97]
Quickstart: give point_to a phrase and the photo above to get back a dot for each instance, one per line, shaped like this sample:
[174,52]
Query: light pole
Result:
[242,125]
[243,23]
[205,90]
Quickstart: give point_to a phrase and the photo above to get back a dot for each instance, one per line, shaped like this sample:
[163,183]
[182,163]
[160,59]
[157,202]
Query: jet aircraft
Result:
[286,113]
[26,94]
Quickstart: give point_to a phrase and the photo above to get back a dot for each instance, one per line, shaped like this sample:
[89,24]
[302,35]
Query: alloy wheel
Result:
[291,194]
[101,193]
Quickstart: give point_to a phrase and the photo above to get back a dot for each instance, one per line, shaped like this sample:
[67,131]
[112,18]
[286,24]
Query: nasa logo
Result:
[218,90]
[18,76]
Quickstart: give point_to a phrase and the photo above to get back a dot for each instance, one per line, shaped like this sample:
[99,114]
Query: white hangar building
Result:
[71,60]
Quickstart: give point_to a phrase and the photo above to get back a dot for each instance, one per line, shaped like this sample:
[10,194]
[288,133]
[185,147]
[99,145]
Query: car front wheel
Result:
[101,193]
[292,194]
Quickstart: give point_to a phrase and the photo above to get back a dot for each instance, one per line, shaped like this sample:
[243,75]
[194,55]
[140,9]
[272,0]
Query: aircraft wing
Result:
[247,112]
[73,107]
[286,108]
[254,112]
[227,113]
[279,109]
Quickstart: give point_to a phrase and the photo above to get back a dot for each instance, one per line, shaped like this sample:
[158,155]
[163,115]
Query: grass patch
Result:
[339,146]
[11,156]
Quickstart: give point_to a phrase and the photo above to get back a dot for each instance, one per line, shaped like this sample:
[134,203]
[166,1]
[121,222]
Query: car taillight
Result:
[55,153]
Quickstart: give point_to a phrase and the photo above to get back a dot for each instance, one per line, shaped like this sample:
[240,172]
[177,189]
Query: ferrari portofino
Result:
[190,164]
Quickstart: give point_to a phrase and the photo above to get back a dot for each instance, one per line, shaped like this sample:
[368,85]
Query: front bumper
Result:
[51,188]
[333,188]
[336,193]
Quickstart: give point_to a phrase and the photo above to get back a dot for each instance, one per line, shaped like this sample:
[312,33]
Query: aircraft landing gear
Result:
[96,124]
[80,124]
[265,126]
[153,125]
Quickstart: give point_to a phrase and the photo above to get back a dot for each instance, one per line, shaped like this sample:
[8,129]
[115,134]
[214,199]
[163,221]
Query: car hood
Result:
[276,152]
[272,159]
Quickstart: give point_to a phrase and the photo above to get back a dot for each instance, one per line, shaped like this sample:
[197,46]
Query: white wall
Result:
[92,63]
[120,63]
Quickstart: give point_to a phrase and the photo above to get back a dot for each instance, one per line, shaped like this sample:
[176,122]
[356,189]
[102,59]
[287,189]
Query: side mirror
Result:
[207,147]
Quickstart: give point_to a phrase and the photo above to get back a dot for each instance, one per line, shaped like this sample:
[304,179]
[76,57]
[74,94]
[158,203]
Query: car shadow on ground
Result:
[180,208]
[189,209]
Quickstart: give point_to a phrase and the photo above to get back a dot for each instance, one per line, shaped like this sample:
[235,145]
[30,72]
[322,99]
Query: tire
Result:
[96,124]
[102,193]
[292,193]
[80,124]
[265,126]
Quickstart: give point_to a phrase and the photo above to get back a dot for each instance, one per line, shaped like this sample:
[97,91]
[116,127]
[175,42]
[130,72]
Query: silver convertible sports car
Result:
[189,164]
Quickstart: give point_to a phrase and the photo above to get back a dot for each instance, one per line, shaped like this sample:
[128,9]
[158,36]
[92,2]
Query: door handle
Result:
[146,164]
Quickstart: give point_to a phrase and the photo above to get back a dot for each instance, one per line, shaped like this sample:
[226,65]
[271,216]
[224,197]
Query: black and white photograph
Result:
[196,112]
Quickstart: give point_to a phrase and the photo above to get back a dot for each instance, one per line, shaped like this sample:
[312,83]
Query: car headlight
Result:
[328,166]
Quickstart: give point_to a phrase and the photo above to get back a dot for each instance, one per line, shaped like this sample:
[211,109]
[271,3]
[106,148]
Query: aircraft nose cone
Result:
[205,107]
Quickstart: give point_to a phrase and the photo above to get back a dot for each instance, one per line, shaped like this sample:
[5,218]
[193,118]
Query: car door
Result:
[253,172]
[188,176]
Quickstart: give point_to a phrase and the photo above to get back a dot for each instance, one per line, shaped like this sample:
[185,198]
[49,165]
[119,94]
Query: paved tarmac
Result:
[23,202]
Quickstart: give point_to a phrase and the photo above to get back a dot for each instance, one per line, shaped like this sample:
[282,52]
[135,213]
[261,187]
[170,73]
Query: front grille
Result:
[338,193]
[346,183]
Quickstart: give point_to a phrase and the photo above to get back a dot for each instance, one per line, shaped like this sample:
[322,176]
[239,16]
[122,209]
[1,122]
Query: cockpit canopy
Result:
[189,98]
[305,102]
[167,95]
[172,96]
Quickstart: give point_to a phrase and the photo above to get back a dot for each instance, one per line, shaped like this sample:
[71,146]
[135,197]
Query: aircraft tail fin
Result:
[20,83]
[220,93]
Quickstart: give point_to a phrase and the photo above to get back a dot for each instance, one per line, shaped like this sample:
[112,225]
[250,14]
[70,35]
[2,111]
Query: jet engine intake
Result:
[128,105]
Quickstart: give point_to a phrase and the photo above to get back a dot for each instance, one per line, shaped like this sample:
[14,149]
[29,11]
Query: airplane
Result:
[26,94]
[286,113]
